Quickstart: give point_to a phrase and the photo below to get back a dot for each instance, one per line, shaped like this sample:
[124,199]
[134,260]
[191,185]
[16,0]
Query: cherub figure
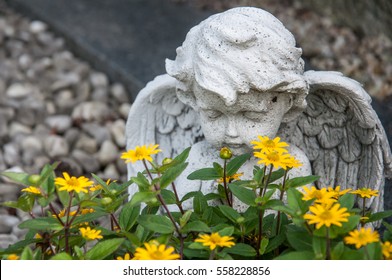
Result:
[238,75]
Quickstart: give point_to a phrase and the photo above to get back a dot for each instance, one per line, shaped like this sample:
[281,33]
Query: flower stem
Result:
[328,253]
[260,233]
[229,202]
[281,199]
[267,180]
[178,202]
[161,200]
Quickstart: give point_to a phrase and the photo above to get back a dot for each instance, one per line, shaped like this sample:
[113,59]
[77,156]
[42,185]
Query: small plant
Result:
[280,221]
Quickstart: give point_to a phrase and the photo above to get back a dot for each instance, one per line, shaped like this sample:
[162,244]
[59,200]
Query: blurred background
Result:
[69,71]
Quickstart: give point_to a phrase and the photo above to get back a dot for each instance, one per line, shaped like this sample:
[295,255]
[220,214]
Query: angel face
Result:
[235,126]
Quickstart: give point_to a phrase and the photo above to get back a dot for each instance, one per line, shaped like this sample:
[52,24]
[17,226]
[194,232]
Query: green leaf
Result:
[295,202]
[227,231]
[258,175]
[347,200]
[182,157]
[17,177]
[101,182]
[235,164]
[276,175]
[299,255]
[241,249]
[141,181]
[188,196]
[45,223]
[47,178]
[275,242]
[185,218]
[89,217]
[352,223]
[16,247]
[62,256]
[263,245]
[218,168]
[26,202]
[272,203]
[11,204]
[141,197]
[319,247]
[374,251]
[168,197]
[128,216]
[199,203]
[379,215]
[156,223]
[247,196]
[27,254]
[197,226]
[204,174]
[171,174]
[198,254]
[104,248]
[299,239]
[337,251]
[229,213]
[301,181]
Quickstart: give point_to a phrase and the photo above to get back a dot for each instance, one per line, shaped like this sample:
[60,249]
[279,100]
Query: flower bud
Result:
[106,201]
[166,161]
[34,179]
[225,153]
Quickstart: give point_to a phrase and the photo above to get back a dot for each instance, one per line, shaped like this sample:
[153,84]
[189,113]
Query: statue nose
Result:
[231,129]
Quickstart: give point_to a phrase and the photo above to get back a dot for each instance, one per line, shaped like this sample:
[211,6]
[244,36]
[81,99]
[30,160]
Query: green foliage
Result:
[269,225]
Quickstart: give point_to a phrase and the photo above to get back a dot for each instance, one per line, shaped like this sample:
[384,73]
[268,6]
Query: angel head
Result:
[243,73]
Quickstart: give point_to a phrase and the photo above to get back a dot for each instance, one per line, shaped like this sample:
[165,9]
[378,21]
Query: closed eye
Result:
[253,115]
[212,114]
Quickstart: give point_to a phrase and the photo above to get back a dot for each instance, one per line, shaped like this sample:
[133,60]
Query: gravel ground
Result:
[54,106]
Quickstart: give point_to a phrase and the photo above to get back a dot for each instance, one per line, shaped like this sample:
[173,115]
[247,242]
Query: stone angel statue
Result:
[238,75]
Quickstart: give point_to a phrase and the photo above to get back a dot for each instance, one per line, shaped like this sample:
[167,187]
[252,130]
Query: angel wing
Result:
[158,117]
[342,135]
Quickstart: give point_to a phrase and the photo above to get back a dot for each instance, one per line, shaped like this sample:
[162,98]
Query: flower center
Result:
[157,255]
[326,215]
[73,182]
[269,143]
[273,156]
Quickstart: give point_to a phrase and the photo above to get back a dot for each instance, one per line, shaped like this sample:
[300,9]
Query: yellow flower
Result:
[267,145]
[321,196]
[276,158]
[125,258]
[70,184]
[230,179]
[99,187]
[337,192]
[140,153]
[155,251]
[87,211]
[215,240]
[90,234]
[387,250]
[31,189]
[13,257]
[365,192]
[327,215]
[292,162]
[362,237]
[62,213]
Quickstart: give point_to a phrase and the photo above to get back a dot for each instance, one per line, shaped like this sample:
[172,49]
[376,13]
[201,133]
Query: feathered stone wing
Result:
[158,117]
[342,136]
